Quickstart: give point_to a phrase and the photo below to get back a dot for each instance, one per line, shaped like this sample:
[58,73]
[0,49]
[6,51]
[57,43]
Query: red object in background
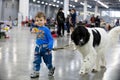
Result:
[7,37]
[26,18]
[87,25]
[54,35]
[22,23]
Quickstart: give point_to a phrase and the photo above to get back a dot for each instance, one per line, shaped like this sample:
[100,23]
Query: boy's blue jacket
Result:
[44,37]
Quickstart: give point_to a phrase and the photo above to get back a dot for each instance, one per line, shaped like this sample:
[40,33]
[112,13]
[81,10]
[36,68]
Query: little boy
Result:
[44,45]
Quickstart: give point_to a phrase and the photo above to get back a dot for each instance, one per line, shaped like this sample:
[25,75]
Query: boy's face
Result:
[40,21]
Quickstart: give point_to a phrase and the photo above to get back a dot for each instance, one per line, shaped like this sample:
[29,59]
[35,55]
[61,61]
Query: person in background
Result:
[60,21]
[44,45]
[32,24]
[92,21]
[10,22]
[10,19]
[72,19]
[117,23]
[97,21]
[68,25]
[108,27]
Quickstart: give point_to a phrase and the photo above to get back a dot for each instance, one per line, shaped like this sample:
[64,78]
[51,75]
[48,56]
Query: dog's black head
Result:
[80,35]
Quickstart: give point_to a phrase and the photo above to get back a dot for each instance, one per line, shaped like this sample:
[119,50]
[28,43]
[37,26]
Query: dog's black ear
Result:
[75,36]
[79,26]
[77,31]
[80,33]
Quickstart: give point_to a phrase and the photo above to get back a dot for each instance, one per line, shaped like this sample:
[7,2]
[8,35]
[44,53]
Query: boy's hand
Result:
[34,30]
[49,51]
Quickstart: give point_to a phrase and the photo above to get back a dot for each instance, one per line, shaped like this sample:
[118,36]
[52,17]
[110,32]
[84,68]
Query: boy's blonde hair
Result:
[40,14]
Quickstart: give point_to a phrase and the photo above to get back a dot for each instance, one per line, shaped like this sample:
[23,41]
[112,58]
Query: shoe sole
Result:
[53,72]
[35,77]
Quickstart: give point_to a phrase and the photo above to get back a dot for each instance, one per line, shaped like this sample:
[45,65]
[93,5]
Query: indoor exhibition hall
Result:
[59,39]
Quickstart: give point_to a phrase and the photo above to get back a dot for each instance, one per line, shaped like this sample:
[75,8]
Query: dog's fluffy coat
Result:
[93,43]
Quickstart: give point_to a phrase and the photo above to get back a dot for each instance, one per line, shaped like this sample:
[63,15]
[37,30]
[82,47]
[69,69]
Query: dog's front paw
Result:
[94,70]
[82,72]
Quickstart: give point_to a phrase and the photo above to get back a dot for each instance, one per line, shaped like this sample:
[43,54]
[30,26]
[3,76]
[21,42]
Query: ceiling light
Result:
[58,1]
[73,6]
[76,0]
[54,0]
[42,2]
[81,3]
[70,5]
[87,5]
[50,4]
[106,6]
[57,5]
[54,5]
[46,3]
[38,1]
[34,0]
[61,2]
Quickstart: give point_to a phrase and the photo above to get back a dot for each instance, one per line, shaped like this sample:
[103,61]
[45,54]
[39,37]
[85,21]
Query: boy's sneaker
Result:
[34,74]
[51,71]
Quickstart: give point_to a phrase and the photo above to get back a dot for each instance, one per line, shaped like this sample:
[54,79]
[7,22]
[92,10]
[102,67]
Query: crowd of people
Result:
[95,21]
[70,22]
[62,23]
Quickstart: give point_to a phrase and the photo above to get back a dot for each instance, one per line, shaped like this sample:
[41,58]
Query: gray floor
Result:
[16,55]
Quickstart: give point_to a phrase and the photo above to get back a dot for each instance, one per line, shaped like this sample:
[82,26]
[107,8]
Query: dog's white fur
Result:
[94,57]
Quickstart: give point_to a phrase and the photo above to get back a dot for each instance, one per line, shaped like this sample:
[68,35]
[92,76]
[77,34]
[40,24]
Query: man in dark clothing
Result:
[97,21]
[92,20]
[72,19]
[68,24]
[60,20]
[117,22]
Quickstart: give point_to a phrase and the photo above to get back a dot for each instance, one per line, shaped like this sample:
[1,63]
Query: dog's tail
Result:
[114,35]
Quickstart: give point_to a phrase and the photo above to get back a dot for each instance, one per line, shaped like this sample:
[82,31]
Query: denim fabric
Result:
[42,52]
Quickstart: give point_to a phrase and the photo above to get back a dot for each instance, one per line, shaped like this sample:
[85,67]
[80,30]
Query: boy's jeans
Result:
[42,52]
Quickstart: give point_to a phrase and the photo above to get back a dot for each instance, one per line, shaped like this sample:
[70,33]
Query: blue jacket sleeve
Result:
[50,40]
[32,26]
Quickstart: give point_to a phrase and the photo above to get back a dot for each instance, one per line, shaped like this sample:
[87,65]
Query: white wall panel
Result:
[49,11]
[10,9]
[1,9]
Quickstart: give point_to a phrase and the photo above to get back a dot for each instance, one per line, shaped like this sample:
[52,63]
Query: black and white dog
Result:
[93,43]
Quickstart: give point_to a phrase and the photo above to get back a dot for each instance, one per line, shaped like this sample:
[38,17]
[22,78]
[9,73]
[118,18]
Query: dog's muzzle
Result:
[81,42]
